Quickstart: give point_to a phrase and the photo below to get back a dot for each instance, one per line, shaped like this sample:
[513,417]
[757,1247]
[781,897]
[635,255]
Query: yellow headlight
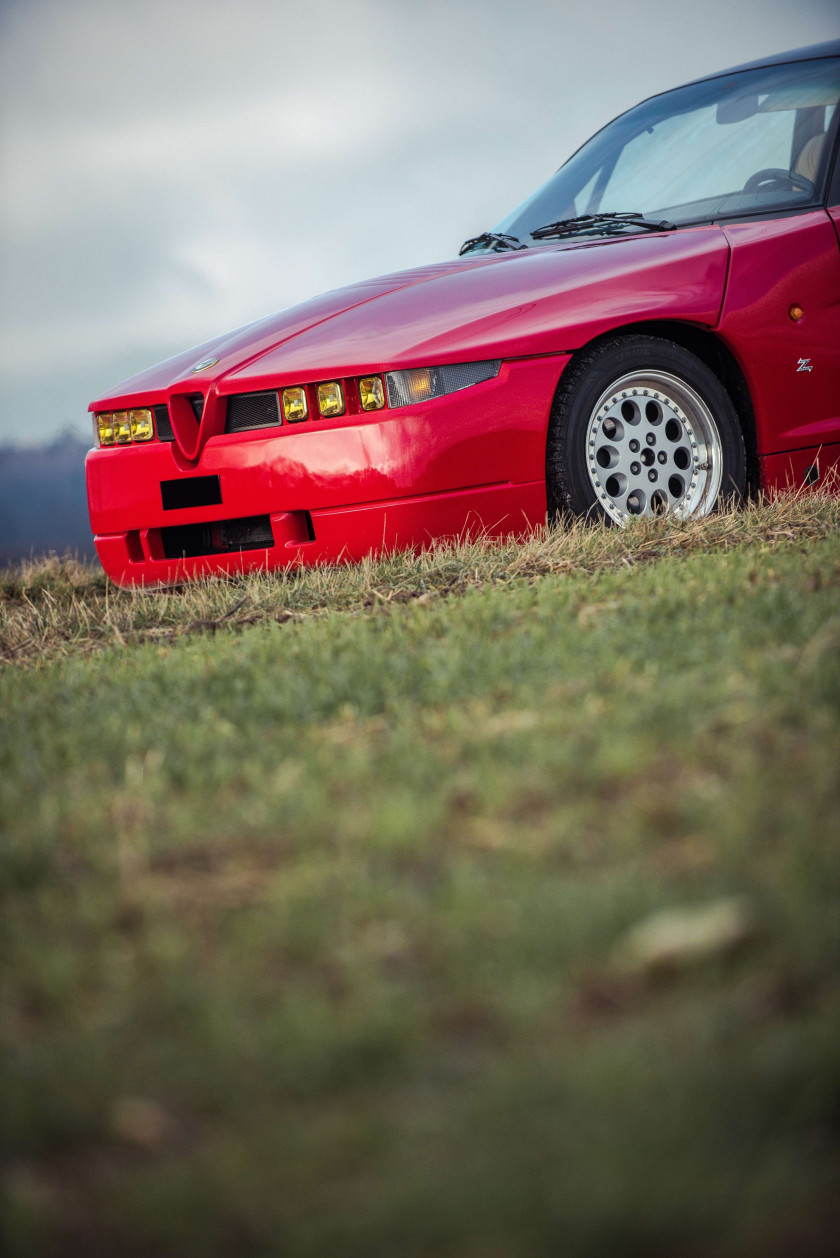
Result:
[122,428]
[371,393]
[330,399]
[105,428]
[142,425]
[295,407]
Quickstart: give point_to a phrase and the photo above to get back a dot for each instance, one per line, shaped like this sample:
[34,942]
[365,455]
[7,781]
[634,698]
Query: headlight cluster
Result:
[121,428]
[297,402]
[398,388]
[331,399]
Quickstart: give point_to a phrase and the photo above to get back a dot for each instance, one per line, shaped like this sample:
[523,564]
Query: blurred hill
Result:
[43,502]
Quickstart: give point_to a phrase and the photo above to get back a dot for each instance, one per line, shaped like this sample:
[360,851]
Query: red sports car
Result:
[656,329]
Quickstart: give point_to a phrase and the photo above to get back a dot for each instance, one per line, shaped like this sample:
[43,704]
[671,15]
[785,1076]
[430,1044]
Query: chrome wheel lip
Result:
[699,435]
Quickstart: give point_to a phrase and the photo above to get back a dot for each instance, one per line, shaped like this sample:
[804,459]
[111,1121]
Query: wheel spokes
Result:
[652,450]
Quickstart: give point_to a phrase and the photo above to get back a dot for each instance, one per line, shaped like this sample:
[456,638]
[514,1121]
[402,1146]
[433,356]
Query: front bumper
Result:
[338,490]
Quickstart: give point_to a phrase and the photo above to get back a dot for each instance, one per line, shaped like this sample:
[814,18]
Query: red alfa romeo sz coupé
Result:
[656,329]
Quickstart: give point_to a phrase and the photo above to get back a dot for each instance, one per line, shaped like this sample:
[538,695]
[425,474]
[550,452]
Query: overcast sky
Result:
[174,168]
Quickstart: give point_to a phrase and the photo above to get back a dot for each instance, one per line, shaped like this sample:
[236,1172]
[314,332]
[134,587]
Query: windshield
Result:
[735,145]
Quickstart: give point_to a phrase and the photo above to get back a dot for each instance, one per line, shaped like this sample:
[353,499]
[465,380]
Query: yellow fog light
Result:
[295,407]
[330,399]
[105,429]
[371,393]
[142,426]
[122,428]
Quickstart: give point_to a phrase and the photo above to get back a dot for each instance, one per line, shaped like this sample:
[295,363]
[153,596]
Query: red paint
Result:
[540,301]
[775,265]
[474,460]
[802,470]
[490,434]
[342,535]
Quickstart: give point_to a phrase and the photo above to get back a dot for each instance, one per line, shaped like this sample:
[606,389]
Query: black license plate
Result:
[193,491]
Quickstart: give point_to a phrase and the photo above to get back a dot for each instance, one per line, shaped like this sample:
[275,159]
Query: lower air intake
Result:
[220,537]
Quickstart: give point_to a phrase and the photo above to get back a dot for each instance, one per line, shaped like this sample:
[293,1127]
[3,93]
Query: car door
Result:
[781,317]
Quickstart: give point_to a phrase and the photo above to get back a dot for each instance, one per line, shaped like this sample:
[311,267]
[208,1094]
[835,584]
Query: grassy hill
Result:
[482,903]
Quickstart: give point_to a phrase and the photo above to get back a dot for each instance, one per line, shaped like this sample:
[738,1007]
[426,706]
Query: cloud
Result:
[174,169]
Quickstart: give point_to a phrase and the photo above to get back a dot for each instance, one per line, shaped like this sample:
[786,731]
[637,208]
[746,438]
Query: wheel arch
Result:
[717,356]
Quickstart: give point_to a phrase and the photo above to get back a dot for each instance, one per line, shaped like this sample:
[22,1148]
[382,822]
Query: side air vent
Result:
[246,411]
[162,424]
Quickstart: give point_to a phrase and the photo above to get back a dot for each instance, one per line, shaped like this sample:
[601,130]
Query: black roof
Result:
[829,49]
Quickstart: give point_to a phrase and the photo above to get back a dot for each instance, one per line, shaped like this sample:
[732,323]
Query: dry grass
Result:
[55,607]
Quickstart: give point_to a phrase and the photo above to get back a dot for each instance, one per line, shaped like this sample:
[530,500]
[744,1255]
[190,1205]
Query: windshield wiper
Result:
[606,224]
[500,241]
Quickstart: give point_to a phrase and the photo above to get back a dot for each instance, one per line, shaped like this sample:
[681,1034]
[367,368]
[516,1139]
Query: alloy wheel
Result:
[652,446]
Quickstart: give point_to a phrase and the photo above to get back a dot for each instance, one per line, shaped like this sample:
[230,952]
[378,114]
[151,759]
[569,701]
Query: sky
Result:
[172,169]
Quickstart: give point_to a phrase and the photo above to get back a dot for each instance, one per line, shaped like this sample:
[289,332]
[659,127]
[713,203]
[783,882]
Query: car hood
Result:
[543,300]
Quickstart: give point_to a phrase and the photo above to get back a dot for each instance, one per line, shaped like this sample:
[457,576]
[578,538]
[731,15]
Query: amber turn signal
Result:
[371,393]
[417,384]
[142,425]
[295,406]
[105,429]
[796,313]
[122,428]
[330,399]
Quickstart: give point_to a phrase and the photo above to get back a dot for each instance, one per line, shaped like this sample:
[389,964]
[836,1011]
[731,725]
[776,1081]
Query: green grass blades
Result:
[477,903]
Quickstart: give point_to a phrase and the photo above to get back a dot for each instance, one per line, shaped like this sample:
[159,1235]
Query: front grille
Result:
[246,411]
[196,401]
[162,424]
[185,541]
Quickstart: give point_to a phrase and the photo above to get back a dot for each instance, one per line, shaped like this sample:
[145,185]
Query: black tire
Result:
[689,400]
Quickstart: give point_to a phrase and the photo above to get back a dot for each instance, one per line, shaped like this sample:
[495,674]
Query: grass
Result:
[59,607]
[320,895]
